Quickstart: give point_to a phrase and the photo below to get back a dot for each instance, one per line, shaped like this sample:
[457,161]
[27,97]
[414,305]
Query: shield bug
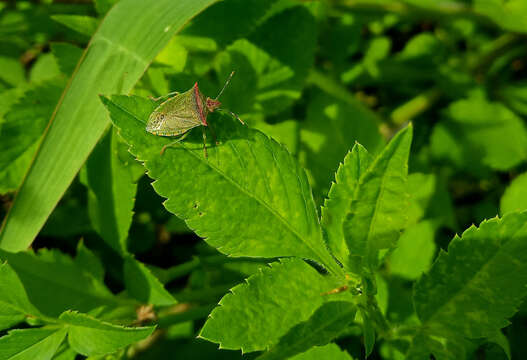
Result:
[183,112]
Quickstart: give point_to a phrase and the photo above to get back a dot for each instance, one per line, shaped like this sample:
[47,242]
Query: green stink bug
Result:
[182,112]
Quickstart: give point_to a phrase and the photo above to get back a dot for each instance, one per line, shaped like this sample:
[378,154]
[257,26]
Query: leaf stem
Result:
[192,313]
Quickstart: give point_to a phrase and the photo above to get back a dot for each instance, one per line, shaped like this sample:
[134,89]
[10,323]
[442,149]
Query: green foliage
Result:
[404,120]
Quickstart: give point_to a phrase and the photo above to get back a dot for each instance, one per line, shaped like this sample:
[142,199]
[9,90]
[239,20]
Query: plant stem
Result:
[192,313]
[415,106]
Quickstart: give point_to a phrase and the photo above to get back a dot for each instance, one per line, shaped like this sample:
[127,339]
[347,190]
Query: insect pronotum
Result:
[182,112]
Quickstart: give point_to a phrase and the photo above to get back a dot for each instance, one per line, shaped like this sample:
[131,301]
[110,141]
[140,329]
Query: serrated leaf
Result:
[31,344]
[259,183]
[24,123]
[143,285]
[85,25]
[52,275]
[515,196]
[331,129]
[255,315]
[89,336]
[330,351]
[377,212]
[274,66]
[111,194]
[327,323]
[120,46]
[339,199]
[67,56]
[14,302]
[473,289]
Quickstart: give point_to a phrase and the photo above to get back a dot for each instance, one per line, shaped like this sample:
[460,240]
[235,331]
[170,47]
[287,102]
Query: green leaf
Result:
[443,349]
[87,260]
[143,285]
[12,71]
[472,290]
[45,68]
[368,332]
[52,275]
[338,203]
[102,6]
[67,56]
[89,336]
[377,211]
[415,251]
[274,66]
[31,344]
[259,181]
[515,196]
[25,122]
[14,302]
[330,351]
[478,132]
[327,323]
[329,132]
[120,46]
[216,22]
[111,192]
[85,25]
[255,315]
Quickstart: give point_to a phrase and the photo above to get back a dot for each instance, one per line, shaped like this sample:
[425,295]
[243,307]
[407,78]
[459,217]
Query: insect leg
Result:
[174,142]
[232,114]
[213,135]
[164,96]
[204,142]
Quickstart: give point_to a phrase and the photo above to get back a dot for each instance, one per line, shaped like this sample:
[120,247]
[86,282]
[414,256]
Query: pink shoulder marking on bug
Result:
[199,104]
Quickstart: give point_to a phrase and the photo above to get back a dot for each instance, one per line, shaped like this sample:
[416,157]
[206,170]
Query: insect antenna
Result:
[224,86]
[232,114]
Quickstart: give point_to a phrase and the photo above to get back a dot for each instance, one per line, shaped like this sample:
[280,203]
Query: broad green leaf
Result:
[421,188]
[415,251]
[86,260]
[473,289]
[511,15]
[31,344]
[515,196]
[14,302]
[255,315]
[330,351]
[89,336]
[53,275]
[377,211]
[478,132]
[86,25]
[45,68]
[339,199]
[67,56]
[12,71]
[331,129]
[143,285]
[111,192]
[259,181]
[327,323]
[102,6]
[129,37]
[443,349]
[25,122]
[273,66]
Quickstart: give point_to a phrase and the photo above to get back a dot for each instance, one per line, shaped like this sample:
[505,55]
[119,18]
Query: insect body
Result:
[182,112]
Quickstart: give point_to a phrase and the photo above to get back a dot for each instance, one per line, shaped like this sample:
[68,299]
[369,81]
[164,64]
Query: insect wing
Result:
[175,116]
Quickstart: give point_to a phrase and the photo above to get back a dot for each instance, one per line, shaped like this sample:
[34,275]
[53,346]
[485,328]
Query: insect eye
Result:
[161,116]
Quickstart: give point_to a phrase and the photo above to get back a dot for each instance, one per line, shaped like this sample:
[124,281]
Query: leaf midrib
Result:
[243,190]
[458,292]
